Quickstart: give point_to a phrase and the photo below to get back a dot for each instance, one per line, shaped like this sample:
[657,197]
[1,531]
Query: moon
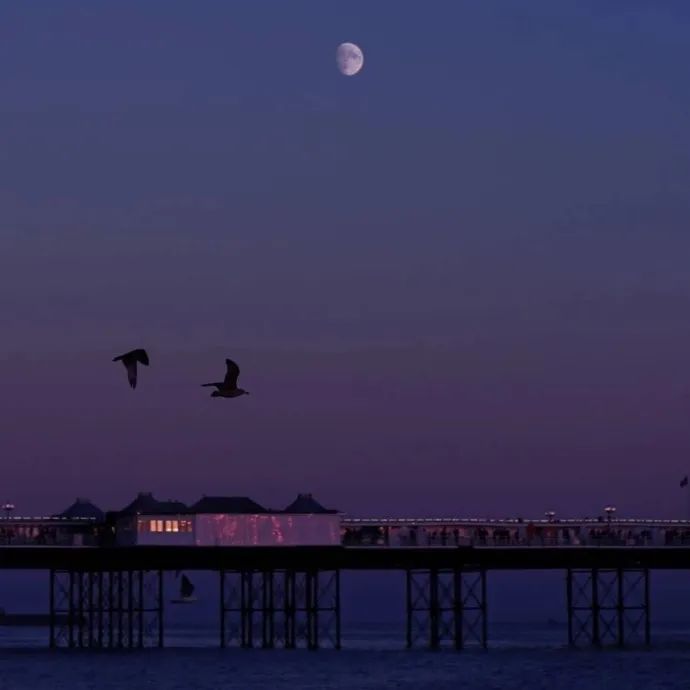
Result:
[349,58]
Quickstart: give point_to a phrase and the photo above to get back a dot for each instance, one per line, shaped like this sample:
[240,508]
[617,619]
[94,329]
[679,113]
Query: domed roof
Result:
[306,503]
[238,505]
[82,508]
[146,504]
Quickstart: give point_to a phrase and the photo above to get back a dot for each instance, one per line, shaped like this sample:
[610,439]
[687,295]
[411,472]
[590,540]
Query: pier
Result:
[279,571]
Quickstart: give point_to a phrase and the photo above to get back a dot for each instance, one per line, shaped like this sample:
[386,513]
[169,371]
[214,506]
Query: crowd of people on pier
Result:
[47,535]
[529,534]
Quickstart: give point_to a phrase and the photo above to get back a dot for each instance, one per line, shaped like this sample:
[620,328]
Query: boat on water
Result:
[186,592]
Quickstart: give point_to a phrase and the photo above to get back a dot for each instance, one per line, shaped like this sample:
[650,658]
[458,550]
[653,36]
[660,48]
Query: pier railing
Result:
[386,532]
[435,533]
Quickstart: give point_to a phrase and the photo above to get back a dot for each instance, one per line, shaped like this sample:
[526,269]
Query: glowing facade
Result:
[226,521]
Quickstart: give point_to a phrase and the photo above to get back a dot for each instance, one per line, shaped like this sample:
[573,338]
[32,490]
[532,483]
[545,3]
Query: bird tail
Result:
[117,359]
[203,385]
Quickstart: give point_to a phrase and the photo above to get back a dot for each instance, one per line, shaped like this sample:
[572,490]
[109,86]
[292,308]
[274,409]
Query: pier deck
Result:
[342,558]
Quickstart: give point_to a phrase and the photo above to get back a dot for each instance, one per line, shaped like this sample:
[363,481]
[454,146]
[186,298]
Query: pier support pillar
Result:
[106,609]
[608,607]
[446,608]
[280,608]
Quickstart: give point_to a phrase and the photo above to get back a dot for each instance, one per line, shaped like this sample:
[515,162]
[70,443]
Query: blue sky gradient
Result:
[456,282]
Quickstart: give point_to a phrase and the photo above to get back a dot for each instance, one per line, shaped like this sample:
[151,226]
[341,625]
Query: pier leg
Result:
[105,610]
[91,609]
[409,610]
[309,609]
[231,589]
[120,610]
[160,610]
[301,609]
[110,607]
[62,608]
[569,606]
[647,623]
[317,609]
[130,609]
[70,609]
[290,610]
[314,610]
[138,609]
[446,608]
[101,610]
[458,633]
[327,609]
[285,609]
[221,575]
[267,640]
[608,607]
[338,641]
[81,592]
[434,633]
[53,585]
[279,606]
[475,627]
[418,605]
[246,609]
[596,608]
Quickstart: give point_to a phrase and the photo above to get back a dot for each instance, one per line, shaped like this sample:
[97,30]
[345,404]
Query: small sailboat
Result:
[186,592]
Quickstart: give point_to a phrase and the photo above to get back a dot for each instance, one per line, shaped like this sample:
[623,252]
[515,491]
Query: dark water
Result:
[520,657]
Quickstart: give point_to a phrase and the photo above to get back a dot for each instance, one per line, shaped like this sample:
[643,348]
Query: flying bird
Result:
[228,387]
[130,360]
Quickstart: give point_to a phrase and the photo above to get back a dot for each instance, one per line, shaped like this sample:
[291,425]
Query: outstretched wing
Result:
[141,356]
[138,355]
[231,375]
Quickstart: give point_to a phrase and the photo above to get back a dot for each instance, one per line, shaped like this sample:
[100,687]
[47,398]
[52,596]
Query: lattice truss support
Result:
[106,610]
[608,607]
[280,608]
[446,608]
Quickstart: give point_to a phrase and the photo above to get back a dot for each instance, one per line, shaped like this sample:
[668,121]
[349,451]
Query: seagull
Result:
[228,388]
[130,360]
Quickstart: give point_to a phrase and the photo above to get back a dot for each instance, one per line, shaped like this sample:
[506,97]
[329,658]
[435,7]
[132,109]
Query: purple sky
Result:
[456,283]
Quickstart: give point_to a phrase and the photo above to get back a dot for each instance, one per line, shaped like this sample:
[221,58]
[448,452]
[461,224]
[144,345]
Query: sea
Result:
[527,647]
[520,656]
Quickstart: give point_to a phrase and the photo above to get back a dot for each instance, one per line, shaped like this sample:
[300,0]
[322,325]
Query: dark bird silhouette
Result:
[130,360]
[228,387]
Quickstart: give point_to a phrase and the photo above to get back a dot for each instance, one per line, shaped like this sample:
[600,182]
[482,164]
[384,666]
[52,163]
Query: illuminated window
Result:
[172,525]
[156,525]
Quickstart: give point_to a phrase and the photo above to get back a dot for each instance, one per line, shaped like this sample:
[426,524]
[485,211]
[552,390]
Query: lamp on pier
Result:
[550,514]
[8,508]
[609,510]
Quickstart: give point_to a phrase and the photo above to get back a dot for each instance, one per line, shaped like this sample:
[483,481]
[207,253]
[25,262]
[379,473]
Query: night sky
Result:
[456,283]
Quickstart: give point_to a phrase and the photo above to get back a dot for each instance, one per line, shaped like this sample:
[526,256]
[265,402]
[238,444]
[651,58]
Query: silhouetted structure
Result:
[279,570]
